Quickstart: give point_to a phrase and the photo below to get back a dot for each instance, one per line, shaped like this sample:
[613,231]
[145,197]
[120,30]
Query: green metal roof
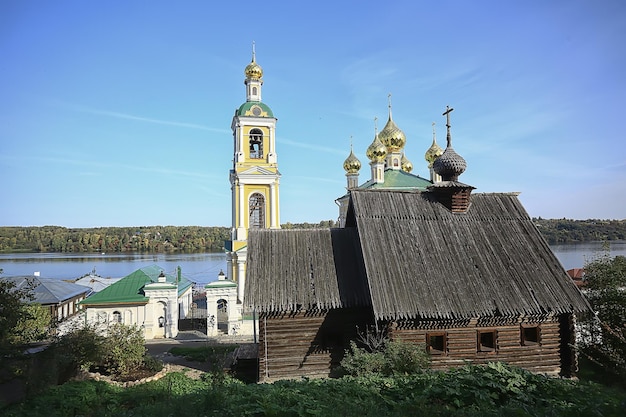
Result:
[225,283]
[129,290]
[398,180]
[245,107]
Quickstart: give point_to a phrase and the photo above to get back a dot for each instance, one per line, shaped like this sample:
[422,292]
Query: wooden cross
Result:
[447,114]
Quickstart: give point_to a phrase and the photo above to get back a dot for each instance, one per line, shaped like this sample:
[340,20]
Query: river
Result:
[203,267]
[198,267]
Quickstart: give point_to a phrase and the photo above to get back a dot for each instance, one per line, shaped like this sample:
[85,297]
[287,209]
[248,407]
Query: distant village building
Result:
[95,282]
[148,298]
[59,297]
[467,275]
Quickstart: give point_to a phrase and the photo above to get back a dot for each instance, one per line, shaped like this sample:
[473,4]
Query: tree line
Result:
[150,239]
[159,239]
[557,231]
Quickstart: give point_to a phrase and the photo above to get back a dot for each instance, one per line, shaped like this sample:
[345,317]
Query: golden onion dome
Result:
[391,135]
[433,153]
[405,164]
[352,165]
[377,151]
[253,70]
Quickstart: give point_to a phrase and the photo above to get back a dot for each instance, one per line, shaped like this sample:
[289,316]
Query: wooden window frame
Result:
[482,347]
[444,343]
[527,330]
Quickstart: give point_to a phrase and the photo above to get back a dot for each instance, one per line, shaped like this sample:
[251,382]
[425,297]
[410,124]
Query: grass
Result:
[204,353]
[592,372]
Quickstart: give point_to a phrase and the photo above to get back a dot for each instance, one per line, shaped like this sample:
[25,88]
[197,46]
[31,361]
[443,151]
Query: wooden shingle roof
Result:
[408,256]
[424,261]
[316,268]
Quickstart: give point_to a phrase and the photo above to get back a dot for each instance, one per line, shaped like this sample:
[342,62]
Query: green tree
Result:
[606,290]
[80,348]
[13,311]
[34,325]
[20,323]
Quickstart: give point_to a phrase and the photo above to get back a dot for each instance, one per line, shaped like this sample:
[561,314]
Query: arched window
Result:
[117,317]
[254,91]
[257,211]
[102,317]
[256,144]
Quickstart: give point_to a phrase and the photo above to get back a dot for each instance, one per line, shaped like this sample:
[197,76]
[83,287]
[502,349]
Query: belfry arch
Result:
[256,208]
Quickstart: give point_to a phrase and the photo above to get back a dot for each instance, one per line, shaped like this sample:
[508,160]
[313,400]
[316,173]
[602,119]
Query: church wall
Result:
[131,314]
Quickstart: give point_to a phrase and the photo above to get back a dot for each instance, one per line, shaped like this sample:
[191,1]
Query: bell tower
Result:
[254,177]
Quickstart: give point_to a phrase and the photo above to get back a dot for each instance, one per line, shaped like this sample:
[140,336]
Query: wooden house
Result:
[470,277]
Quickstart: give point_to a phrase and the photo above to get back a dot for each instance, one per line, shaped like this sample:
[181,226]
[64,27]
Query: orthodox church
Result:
[254,180]
[390,168]
[466,275]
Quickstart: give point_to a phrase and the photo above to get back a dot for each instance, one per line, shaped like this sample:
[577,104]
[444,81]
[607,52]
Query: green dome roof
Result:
[254,109]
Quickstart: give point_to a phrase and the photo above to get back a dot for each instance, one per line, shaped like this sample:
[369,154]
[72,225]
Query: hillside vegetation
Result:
[471,391]
[158,239]
[570,231]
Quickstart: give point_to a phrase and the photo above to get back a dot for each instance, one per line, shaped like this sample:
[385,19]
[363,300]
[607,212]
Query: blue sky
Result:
[117,113]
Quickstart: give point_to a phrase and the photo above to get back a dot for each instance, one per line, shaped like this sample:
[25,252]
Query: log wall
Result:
[542,357]
[292,345]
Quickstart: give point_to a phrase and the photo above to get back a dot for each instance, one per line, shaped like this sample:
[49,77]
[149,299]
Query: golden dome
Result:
[405,164]
[377,151]
[352,165]
[391,135]
[433,153]
[253,70]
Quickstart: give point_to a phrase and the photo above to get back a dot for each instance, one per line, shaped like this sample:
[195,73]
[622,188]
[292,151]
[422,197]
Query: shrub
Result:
[151,363]
[403,358]
[80,348]
[125,349]
[360,362]
[392,358]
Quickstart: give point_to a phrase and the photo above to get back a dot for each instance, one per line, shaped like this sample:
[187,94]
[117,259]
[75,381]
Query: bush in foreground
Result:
[489,390]
[117,350]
